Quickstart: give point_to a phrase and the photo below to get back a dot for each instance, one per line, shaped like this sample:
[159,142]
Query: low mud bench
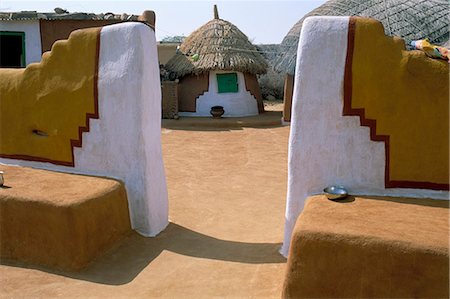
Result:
[381,247]
[59,220]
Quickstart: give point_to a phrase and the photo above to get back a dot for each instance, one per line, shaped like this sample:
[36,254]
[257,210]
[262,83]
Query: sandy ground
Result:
[273,105]
[227,191]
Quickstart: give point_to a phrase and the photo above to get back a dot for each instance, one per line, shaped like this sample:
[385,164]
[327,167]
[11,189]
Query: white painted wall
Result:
[33,47]
[241,103]
[125,143]
[326,148]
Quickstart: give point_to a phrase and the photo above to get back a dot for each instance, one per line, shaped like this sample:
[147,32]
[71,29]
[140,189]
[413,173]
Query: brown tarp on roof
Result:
[53,30]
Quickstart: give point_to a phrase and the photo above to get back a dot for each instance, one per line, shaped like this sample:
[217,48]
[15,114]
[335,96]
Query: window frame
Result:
[220,87]
[22,34]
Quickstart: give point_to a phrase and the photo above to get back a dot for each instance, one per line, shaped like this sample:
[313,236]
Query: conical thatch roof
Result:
[220,46]
[409,19]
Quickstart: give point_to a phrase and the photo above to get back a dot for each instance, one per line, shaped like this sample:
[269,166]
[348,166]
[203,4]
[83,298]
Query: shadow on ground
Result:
[127,259]
[427,202]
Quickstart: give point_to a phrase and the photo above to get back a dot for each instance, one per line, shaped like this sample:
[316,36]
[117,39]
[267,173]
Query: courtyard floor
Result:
[227,190]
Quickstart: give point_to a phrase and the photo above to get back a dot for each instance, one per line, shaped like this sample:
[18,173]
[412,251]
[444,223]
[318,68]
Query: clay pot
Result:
[217,111]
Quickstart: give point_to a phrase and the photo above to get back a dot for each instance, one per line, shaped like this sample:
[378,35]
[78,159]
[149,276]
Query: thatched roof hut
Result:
[219,45]
[408,19]
[217,66]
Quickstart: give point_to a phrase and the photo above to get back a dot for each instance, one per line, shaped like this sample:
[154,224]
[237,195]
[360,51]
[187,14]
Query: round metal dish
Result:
[335,192]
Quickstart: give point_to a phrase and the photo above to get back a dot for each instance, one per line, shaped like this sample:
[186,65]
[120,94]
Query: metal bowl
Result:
[335,192]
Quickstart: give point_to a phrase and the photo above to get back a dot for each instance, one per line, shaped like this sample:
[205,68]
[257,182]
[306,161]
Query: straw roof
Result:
[409,19]
[220,46]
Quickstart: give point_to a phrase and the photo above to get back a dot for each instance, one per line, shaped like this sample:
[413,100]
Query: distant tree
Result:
[272,83]
[173,39]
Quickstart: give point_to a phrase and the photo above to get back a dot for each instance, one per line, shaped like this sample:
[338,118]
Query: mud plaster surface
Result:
[227,191]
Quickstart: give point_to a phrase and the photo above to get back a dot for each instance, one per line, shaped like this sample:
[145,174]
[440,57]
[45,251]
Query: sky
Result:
[264,22]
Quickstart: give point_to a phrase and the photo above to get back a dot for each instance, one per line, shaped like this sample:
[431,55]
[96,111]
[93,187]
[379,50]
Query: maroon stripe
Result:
[79,142]
[348,76]
[36,159]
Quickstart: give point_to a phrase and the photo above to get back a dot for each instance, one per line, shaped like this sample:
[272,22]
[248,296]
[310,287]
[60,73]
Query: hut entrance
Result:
[12,49]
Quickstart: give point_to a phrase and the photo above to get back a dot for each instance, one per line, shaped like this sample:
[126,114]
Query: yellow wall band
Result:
[406,93]
[54,97]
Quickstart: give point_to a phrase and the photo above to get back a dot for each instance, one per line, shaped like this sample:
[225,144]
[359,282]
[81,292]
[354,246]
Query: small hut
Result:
[408,19]
[217,66]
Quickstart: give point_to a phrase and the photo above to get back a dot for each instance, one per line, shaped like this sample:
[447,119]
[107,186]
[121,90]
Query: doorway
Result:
[12,49]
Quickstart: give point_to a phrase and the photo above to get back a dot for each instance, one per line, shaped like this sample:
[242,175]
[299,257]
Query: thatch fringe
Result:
[220,46]
[408,19]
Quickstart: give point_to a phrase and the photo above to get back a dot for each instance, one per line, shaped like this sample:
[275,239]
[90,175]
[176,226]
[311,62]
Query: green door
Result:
[227,82]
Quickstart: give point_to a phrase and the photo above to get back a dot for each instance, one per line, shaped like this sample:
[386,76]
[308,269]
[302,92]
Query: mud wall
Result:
[86,112]
[252,86]
[189,89]
[366,114]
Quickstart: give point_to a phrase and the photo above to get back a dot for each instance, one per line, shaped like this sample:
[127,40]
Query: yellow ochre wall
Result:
[56,96]
[407,94]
